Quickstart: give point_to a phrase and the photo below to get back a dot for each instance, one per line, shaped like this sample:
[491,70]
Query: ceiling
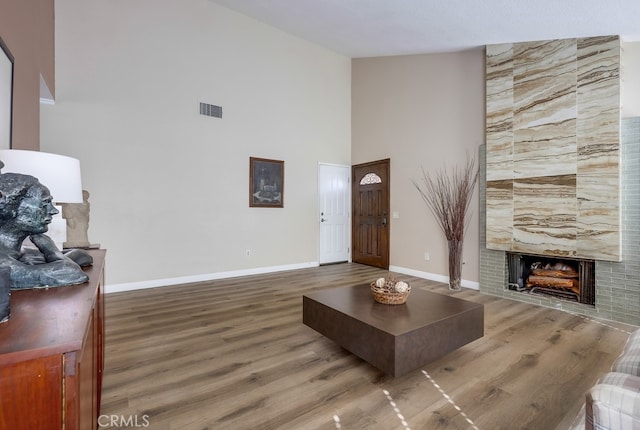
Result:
[373,28]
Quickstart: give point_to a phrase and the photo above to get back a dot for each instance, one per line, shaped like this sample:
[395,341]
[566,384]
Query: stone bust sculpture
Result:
[77,216]
[26,209]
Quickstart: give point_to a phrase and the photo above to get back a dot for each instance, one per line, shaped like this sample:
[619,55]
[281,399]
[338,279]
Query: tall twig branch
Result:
[448,197]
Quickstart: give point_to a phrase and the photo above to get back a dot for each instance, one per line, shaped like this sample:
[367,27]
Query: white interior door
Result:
[334,212]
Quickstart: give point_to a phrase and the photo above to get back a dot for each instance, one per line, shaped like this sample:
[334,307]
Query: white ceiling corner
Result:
[372,28]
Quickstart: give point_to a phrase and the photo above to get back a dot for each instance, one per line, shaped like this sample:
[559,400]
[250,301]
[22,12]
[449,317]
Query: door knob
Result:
[322,220]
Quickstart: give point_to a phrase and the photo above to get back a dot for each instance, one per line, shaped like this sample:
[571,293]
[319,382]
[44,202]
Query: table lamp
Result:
[59,173]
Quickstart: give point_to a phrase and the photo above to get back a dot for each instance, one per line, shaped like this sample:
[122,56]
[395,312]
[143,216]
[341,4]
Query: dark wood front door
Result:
[370,227]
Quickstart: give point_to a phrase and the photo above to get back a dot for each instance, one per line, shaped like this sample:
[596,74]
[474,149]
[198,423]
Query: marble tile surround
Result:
[617,283]
[553,138]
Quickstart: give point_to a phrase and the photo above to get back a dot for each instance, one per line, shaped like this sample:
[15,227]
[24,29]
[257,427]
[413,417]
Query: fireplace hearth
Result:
[562,278]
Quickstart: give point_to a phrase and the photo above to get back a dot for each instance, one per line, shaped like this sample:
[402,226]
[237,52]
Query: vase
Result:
[455,264]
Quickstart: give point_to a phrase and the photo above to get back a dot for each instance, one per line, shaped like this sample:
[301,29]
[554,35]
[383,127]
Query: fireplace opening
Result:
[559,277]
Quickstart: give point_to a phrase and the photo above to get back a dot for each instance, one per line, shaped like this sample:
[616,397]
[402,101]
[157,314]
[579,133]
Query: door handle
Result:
[322,220]
[384,221]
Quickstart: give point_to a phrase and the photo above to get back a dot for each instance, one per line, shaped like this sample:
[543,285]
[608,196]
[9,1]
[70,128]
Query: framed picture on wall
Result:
[266,183]
[6,95]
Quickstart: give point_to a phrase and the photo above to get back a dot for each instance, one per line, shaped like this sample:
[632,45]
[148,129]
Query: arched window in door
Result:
[370,178]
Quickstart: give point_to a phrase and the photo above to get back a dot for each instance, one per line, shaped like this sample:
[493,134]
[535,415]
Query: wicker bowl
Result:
[387,294]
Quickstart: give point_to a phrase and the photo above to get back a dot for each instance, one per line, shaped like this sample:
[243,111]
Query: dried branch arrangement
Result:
[448,197]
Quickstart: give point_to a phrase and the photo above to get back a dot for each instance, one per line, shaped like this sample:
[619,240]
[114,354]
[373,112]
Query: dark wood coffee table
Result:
[394,338]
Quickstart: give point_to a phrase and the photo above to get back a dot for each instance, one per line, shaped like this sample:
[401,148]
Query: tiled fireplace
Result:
[560,178]
[617,284]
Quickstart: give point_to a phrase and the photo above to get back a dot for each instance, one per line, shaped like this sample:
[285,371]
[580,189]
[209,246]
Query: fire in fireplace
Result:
[563,278]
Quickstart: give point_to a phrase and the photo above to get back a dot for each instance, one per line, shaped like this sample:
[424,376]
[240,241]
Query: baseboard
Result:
[433,277]
[131,286]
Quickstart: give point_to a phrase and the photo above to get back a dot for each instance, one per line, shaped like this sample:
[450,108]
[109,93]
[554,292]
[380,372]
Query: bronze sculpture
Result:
[26,209]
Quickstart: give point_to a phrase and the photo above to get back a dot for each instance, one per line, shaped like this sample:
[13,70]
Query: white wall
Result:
[169,188]
[630,74]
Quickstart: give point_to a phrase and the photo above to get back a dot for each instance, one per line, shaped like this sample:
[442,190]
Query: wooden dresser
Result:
[52,356]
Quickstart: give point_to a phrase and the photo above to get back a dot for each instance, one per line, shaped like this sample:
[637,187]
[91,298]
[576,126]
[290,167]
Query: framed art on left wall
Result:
[6,95]
[266,183]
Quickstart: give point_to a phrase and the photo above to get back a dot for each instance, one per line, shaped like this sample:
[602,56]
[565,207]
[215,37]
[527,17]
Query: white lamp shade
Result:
[59,173]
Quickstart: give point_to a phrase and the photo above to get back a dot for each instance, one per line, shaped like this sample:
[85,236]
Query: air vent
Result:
[210,110]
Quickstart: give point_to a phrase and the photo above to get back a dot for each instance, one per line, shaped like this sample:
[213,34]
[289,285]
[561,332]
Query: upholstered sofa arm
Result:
[628,363]
[629,360]
[614,403]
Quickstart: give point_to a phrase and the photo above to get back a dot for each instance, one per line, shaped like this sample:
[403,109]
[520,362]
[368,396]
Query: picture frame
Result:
[266,183]
[6,96]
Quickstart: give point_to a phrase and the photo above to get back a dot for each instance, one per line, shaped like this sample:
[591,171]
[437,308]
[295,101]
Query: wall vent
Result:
[210,110]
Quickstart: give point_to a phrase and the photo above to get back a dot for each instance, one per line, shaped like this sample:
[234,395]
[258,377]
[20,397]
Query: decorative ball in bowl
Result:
[390,291]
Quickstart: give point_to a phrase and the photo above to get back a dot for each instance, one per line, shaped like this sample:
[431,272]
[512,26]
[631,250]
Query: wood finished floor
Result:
[234,354]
